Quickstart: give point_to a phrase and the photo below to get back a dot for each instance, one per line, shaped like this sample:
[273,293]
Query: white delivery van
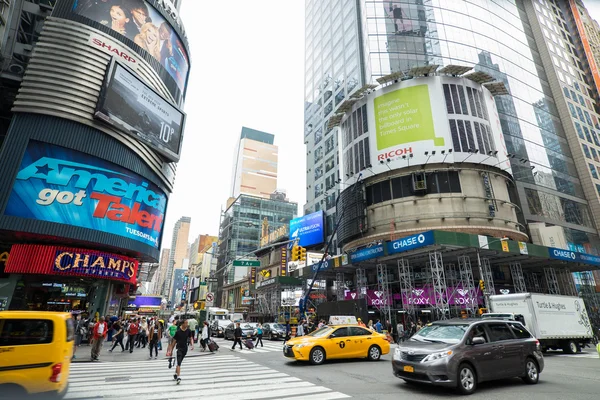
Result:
[558,322]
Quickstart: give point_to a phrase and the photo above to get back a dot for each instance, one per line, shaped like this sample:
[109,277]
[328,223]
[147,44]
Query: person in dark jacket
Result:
[237,336]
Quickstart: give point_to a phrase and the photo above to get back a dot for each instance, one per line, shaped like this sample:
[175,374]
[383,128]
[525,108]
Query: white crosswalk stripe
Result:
[269,346]
[216,375]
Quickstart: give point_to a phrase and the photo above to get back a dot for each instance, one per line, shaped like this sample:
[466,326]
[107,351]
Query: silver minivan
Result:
[461,353]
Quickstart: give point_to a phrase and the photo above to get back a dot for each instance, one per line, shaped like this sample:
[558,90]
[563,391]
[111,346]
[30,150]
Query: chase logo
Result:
[564,254]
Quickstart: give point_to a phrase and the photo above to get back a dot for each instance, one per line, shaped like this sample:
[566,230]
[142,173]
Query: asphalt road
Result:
[564,377]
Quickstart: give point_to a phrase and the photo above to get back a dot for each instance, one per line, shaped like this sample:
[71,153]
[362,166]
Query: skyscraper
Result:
[255,164]
[350,44]
[179,250]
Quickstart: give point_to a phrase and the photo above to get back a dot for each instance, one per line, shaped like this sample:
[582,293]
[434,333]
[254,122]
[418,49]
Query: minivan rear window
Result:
[70,330]
[21,332]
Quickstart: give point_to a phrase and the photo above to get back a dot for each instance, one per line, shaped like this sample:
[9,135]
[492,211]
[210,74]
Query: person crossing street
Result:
[98,334]
[237,336]
[155,333]
[133,331]
[182,339]
[259,335]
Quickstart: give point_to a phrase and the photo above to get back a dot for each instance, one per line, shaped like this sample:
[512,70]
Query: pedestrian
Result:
[361,323]
[172,331]
[321,323]
[288,331]
[205,335]
[79,333]
[193,325]
[300,329]
[154,337]
[162,329]
[419,325]
[259,334]
[389,327]
[237,336]
[370,325]
[182,339]
[118,336]
[143,333]
[133,331]
[378,326]
[99,334]
[400,332]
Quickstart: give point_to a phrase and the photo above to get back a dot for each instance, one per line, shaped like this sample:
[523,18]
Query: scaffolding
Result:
[567,283]
[340,281]
[383,294]
[588,294]
[551,281]
[439,284]
[488,277]
[517,276]
[532,282]
[466,284]
[407,287]
[361,283]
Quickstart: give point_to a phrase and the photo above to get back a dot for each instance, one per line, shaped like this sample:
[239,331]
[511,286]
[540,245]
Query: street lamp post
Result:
[486,293]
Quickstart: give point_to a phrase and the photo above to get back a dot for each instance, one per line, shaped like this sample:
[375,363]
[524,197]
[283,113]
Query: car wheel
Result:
[570,347]
[532,372]
[317,356]
[467,379]
[374,353]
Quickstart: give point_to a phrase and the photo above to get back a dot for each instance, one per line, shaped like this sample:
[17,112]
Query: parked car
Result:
[248,330]
[273,331]
[337,341]
[36,349]
[461,353]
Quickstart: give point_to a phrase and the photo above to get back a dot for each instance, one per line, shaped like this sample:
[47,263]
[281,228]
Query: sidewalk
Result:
[83,354]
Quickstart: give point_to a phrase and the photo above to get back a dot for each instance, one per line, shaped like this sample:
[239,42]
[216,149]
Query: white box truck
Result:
[558,322]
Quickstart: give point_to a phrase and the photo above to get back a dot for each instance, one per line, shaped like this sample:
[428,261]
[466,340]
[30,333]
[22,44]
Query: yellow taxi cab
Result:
[36,348]
[335,342]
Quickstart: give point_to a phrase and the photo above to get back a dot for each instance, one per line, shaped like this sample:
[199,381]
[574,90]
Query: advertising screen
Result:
[131,106]
[64,186]
[140,22]
[308,229]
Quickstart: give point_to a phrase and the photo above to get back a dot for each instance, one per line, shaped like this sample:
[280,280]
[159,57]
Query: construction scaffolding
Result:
[568,283]
[383,294]
[488,277]
[340,282]
[590,298]
[465,283]
[361,283]
[551,281]
[533,282]
[517,276]
[440,288]
[407,287]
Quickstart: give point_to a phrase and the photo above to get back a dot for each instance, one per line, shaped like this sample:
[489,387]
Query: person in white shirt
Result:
[205,336]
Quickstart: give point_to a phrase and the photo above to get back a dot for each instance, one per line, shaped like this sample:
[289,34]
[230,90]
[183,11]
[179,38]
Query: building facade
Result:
[87,169]
[255,164]
[179,252]
[350,44]
[240,234]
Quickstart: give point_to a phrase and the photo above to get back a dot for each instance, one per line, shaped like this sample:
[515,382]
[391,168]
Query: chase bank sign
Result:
[560,254]
[410,242]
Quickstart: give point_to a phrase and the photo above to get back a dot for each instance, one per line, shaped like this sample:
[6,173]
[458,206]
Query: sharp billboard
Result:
[132,107]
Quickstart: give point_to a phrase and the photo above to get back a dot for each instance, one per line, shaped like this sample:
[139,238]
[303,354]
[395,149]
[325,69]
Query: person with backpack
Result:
[98,334]
[132,331]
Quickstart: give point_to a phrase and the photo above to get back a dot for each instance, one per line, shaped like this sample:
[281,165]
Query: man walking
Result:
[300,329]
[400,332]
[99,333]
[237,336]
[133,331]
[154,337]
[118,336]
[193,324]
[378,326]
[182,339]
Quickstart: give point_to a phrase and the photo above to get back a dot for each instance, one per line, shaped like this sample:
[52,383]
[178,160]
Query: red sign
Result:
[66,261]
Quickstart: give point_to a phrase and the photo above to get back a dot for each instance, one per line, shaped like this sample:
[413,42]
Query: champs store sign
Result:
[64,186]
[56,260]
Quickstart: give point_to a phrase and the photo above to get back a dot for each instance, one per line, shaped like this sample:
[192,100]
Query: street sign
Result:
[246,263]
[210,298]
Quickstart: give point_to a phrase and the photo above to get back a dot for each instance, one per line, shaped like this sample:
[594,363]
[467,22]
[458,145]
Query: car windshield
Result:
[324,331]
[278,326]
[441,333]
[248,326]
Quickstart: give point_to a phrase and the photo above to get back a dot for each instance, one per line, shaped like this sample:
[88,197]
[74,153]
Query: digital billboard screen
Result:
[140,22]
[308,229]
[64,186]
[131,106]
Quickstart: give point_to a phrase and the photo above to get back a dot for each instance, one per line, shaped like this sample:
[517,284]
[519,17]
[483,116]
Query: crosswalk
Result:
[269,346]
[223,376]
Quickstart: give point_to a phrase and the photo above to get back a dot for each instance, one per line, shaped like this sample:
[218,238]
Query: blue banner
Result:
[561,254]
[366,253]
[64,186]
[410,242]
[309,229]
[588,259]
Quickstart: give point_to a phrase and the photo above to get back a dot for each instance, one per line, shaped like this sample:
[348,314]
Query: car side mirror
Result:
[477,340]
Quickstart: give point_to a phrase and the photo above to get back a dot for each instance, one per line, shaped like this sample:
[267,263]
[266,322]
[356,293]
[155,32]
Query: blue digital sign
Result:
[410,242]
[308,229]
[366,253]
[64,186]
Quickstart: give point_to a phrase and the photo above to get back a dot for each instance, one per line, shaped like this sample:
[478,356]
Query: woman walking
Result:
[259,334]
[204,336]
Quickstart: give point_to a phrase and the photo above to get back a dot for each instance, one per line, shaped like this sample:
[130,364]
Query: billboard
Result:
[145,26]
[308,229]
[132,107]
[64,186]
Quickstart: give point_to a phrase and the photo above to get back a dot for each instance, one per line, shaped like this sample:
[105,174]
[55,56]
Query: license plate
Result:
[408,368]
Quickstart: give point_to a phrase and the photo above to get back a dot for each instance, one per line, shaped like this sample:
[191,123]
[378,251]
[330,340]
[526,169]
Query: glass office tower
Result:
[351,43]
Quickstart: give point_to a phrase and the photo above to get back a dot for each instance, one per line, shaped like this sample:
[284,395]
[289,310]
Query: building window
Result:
[593,171]
[586,151]
[318,154]
[329,164]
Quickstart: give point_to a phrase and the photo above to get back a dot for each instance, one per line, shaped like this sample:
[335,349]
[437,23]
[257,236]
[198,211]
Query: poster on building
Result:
[64,186]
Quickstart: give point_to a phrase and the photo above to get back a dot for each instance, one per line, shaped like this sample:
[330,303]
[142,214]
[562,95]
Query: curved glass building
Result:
[349,44]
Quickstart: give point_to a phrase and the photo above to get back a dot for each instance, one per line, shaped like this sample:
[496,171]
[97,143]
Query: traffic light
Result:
[482,311]
[482,285]
[302,254]
[295,253]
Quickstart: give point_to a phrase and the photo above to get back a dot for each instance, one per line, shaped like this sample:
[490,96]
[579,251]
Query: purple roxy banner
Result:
[423,296]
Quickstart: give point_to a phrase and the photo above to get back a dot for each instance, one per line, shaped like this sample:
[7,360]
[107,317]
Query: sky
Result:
[247,70]
[593,7]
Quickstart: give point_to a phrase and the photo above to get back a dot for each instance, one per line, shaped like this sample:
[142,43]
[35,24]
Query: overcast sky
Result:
[247,70]
[593,7]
